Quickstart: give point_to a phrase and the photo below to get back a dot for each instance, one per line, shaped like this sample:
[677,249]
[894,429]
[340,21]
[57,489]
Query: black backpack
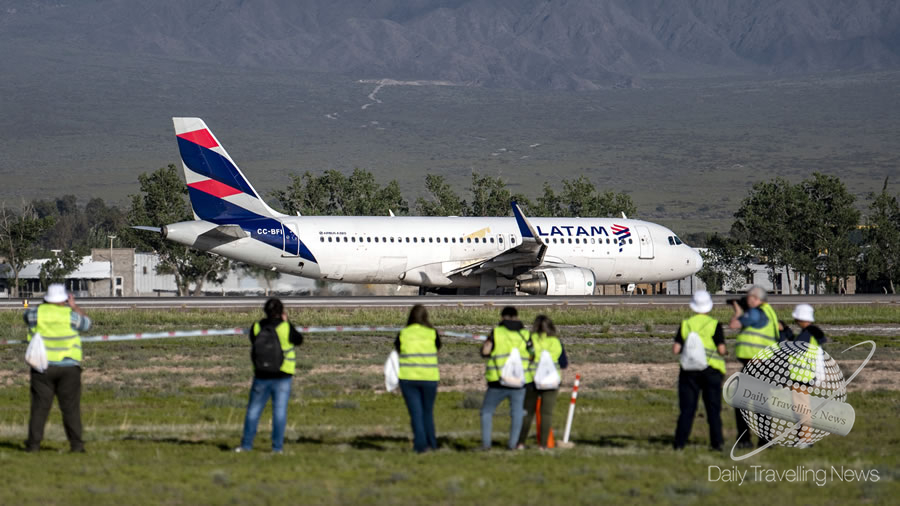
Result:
[266,351]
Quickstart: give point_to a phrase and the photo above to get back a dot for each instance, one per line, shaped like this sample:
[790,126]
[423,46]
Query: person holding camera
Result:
[759,329]
[58,321]
[272,343]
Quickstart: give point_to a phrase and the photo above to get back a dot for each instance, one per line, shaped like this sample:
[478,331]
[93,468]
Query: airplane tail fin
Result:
[218,189]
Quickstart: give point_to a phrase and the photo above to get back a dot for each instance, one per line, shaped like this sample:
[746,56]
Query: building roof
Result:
[89,269]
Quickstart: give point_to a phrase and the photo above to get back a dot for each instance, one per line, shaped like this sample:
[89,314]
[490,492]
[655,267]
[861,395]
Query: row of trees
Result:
[812,228]
[334,194]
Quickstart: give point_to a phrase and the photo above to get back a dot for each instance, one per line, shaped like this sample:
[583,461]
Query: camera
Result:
[740,302]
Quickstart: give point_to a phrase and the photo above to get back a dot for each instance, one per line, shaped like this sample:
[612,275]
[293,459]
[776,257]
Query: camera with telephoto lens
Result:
[740,302]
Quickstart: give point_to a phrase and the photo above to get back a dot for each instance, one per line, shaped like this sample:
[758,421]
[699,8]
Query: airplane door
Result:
[290,234]
[646,242]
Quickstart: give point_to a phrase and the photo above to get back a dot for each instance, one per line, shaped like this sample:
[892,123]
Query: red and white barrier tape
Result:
[572,408]
[239,331]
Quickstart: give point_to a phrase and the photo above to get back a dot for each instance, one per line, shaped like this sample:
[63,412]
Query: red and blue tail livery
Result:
[219,191]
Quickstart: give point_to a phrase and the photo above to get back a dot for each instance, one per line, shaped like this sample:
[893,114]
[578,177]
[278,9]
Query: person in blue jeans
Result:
[271,379]
[509,334]
[418,344]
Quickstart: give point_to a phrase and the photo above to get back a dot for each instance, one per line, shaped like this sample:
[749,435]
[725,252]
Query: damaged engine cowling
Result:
[558,281]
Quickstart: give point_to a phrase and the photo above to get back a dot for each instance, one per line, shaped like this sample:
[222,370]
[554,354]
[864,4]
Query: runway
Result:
[646,301]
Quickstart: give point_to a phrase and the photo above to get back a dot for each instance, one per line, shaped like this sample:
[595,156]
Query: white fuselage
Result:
[422,250]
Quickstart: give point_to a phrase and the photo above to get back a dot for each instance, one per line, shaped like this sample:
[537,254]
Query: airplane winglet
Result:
[525,228]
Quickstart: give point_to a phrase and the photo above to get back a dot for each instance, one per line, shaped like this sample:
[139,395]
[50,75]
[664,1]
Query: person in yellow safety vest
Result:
[58,321]
[544,337]
[509,334]
[804,366]
[708,382]
[759,329]
[418,344]
[272,340]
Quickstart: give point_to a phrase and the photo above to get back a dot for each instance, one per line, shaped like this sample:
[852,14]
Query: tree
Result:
[58,268]
[726,263]
[162,201]
[580,197]
[827,223]
[491,197]
[882,238]
[766,219]
[444,201]
[333,194]
[268,275]
[19,234]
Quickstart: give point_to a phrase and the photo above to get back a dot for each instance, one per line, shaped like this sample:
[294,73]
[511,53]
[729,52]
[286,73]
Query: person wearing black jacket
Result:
[271,380]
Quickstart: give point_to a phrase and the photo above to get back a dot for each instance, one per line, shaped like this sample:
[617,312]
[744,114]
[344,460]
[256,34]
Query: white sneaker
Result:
[240,449]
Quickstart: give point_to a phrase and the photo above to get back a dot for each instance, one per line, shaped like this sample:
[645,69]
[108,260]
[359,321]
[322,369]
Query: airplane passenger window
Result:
[345,239]
[492,240]
[368,239]
[570,240]
[376,239]
[384,239]
[592,240]
[469,240]
[423,239]
[321,239]
[500,239]
[392,239]
[430,239]
[446,240]
[329,239]
[629,241]
[453,239]
[512,240]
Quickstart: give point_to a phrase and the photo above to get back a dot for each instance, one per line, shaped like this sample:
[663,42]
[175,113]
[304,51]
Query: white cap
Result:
[56,293]
[803,313]
[701,302]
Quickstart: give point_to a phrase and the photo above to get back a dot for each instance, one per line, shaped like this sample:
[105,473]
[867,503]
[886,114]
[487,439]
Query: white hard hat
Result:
[56,293]
[803,313]
[701,302]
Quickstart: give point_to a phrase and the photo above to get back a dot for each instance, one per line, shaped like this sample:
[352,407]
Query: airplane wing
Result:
[529,253]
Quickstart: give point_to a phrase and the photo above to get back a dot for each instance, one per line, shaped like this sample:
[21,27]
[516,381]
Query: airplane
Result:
[485,255]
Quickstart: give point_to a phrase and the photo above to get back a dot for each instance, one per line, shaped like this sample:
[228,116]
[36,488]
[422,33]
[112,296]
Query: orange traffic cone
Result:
[551,443]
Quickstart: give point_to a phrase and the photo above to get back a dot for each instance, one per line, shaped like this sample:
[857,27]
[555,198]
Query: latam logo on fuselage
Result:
[621,232]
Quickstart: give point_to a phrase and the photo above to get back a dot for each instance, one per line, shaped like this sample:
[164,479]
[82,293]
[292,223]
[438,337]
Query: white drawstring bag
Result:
[36,354]
[546,377]
[392,371]
[513,373]
[693,355]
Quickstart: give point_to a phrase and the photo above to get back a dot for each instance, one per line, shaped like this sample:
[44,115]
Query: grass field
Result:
[161,416]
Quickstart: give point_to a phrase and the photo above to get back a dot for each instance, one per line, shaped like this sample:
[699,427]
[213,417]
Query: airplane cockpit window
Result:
[671,241]
[678,241]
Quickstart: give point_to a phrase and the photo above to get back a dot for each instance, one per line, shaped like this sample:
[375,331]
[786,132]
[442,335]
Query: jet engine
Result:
[559,281]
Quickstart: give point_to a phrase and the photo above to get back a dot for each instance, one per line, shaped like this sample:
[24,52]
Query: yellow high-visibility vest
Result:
[752,339]
[504,342]
[418,354]
[705,327]
[283,330]
[54,324]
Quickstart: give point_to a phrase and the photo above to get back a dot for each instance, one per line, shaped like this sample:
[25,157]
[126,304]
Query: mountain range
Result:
[529,44]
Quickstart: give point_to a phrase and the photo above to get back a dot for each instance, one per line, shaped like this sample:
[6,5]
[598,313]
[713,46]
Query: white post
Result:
[572,408]
[112,291]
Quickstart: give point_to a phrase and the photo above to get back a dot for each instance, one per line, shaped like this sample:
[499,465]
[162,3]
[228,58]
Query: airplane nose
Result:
[698,258]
